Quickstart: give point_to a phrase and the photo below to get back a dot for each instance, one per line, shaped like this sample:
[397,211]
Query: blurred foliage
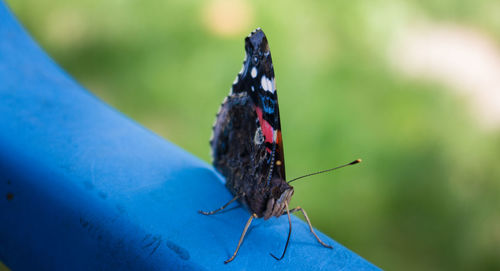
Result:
[426,196]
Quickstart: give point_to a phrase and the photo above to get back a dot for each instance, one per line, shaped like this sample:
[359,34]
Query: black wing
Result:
[247,146]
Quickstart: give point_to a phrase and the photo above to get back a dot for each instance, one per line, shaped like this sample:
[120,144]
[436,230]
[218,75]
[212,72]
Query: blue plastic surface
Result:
[85,188]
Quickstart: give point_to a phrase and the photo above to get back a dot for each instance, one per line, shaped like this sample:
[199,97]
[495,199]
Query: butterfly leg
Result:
[241,238]
[289,233]
[309,223]
[220,209]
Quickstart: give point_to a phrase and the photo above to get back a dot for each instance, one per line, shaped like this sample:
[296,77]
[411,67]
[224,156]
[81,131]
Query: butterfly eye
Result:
[276,192]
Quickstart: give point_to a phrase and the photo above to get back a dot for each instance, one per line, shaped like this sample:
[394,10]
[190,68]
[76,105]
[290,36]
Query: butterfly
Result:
[247,146]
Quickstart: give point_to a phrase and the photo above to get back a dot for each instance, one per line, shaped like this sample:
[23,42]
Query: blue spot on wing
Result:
[268,104]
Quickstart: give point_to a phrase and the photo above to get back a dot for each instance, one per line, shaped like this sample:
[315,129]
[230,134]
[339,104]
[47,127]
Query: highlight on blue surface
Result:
[85,188]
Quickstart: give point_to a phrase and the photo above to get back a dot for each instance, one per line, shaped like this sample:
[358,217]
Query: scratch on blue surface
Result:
[155,240]
[182,252]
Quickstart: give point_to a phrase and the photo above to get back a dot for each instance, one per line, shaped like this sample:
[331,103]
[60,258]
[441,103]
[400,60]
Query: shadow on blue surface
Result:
[83,187]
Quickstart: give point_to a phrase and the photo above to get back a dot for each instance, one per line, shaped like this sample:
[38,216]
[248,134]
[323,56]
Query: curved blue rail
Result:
[83,187]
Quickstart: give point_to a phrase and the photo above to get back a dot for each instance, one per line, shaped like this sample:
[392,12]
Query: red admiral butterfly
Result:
[246,144]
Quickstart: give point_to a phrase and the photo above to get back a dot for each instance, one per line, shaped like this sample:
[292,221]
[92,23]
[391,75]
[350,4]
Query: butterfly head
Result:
[278,201]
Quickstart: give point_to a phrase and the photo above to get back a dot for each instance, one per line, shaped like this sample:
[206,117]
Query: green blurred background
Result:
[408,86]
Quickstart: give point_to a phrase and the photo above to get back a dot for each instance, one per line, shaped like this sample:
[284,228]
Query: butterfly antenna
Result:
[326,170]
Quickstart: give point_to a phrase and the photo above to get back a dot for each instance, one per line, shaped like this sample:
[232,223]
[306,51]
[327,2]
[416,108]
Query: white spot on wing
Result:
[263,83]
[235,80]
[259,137]
[254,72]
[267,84]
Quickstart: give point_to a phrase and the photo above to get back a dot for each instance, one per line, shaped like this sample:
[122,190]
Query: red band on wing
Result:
[267,129]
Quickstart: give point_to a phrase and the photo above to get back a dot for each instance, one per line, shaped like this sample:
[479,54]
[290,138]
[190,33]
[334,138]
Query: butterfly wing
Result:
[247,146]
[257,80]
